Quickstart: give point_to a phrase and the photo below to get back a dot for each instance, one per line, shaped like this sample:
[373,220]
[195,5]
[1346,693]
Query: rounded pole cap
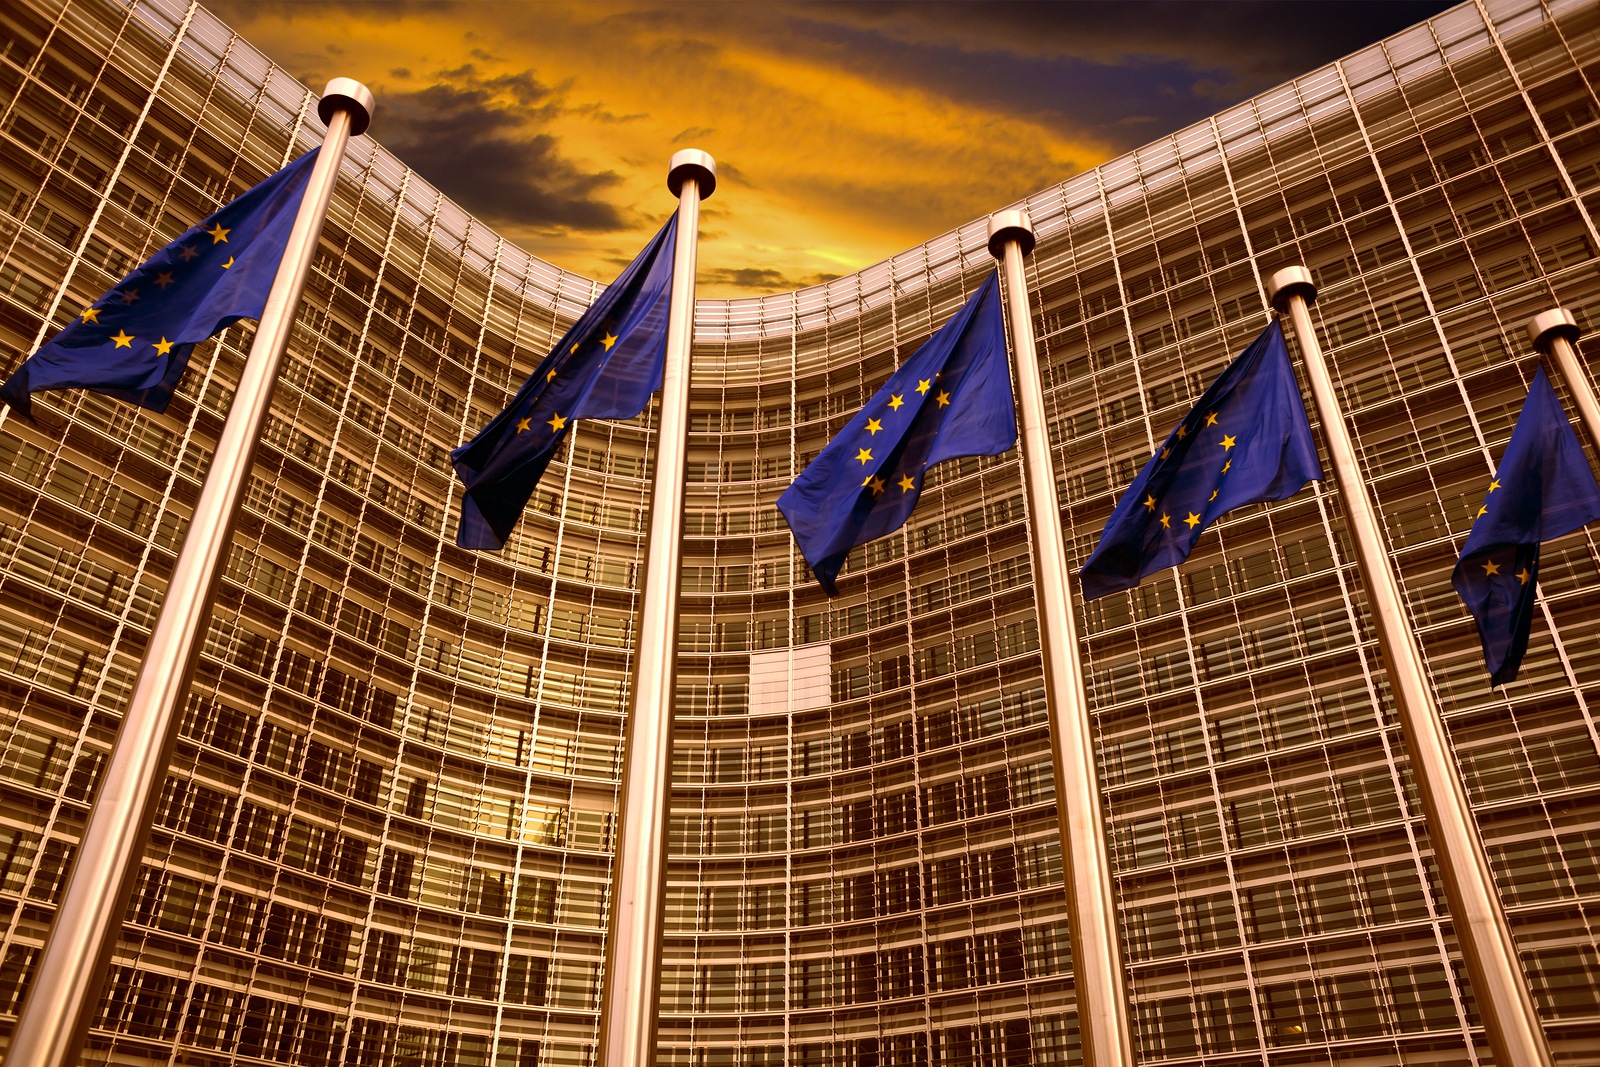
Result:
[347,94]
[1288,282]
[692,163]
[1548,325]
[1012,224]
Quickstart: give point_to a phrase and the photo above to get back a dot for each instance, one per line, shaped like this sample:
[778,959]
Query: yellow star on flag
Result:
[864,455]
[1183,432]
[895,403]
[1211,419]
[943,398]
[1491,567]
[163,279]
[608,340]
[1226,465]
[556,422]
[123,339]
[1494,485]
[1150,502]
[923,385]
[1227,442]
[219,234]
[129,297]
[187,252]
[163,346]
[874,483]
[1482,511]
[1523,576]
[525,424]
[906,484]
[1192,521]
[92,315]
[1166,521]
[873,426]
[550,377]
[1165,452]
[228,264]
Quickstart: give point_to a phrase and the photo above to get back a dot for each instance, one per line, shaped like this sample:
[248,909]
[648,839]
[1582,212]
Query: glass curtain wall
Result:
[387,834]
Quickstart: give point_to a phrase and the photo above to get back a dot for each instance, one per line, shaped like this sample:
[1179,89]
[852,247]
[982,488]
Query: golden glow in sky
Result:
[843,134]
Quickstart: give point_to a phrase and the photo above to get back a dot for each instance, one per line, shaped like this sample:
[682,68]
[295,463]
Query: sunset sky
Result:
[843,133]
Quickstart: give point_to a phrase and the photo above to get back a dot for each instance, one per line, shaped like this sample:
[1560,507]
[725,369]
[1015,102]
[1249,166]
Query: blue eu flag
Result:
[134,342]
[605,367]
[1247,440]
[952,398]
[1543,489]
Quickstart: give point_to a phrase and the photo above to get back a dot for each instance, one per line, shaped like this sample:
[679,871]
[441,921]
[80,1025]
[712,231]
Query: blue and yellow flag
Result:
[605,367]
[1543,489]
[1247,440]
[134,342]
[952,398]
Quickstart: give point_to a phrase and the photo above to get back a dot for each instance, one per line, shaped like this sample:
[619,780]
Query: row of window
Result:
[237,919]
[864,819]
[148,1005]
[1344,1007]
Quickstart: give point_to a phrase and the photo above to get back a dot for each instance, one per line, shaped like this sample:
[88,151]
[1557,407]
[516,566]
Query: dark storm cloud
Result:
[1122,71]
[477,140]
[729,174]
[524,87]
[860,128]
[763,279]
[1278,38]
[228,8]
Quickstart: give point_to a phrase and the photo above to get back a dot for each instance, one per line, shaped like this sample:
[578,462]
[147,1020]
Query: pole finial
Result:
[692,163]
[1012,224]
[347,94]
[1548,325]
[1291,281]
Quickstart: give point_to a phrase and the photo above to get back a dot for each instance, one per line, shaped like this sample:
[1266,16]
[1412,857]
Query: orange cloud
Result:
[823,169]
[844,133]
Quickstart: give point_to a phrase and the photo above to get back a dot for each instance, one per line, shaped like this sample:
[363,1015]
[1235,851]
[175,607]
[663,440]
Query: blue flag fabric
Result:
[952,398]
[134,342]
[1543,489]
[604,367]
[1247,440]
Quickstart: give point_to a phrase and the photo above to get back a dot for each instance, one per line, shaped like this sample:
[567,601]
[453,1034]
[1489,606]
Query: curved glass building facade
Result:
[387,833]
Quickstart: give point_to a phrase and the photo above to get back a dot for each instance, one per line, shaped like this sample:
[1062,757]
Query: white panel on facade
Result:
[793,679]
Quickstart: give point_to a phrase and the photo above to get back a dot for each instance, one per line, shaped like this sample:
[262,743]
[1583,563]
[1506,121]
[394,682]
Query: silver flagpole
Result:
[65,991]
[1509,1017]
[1552,333]
[1096,950]
[632,983]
